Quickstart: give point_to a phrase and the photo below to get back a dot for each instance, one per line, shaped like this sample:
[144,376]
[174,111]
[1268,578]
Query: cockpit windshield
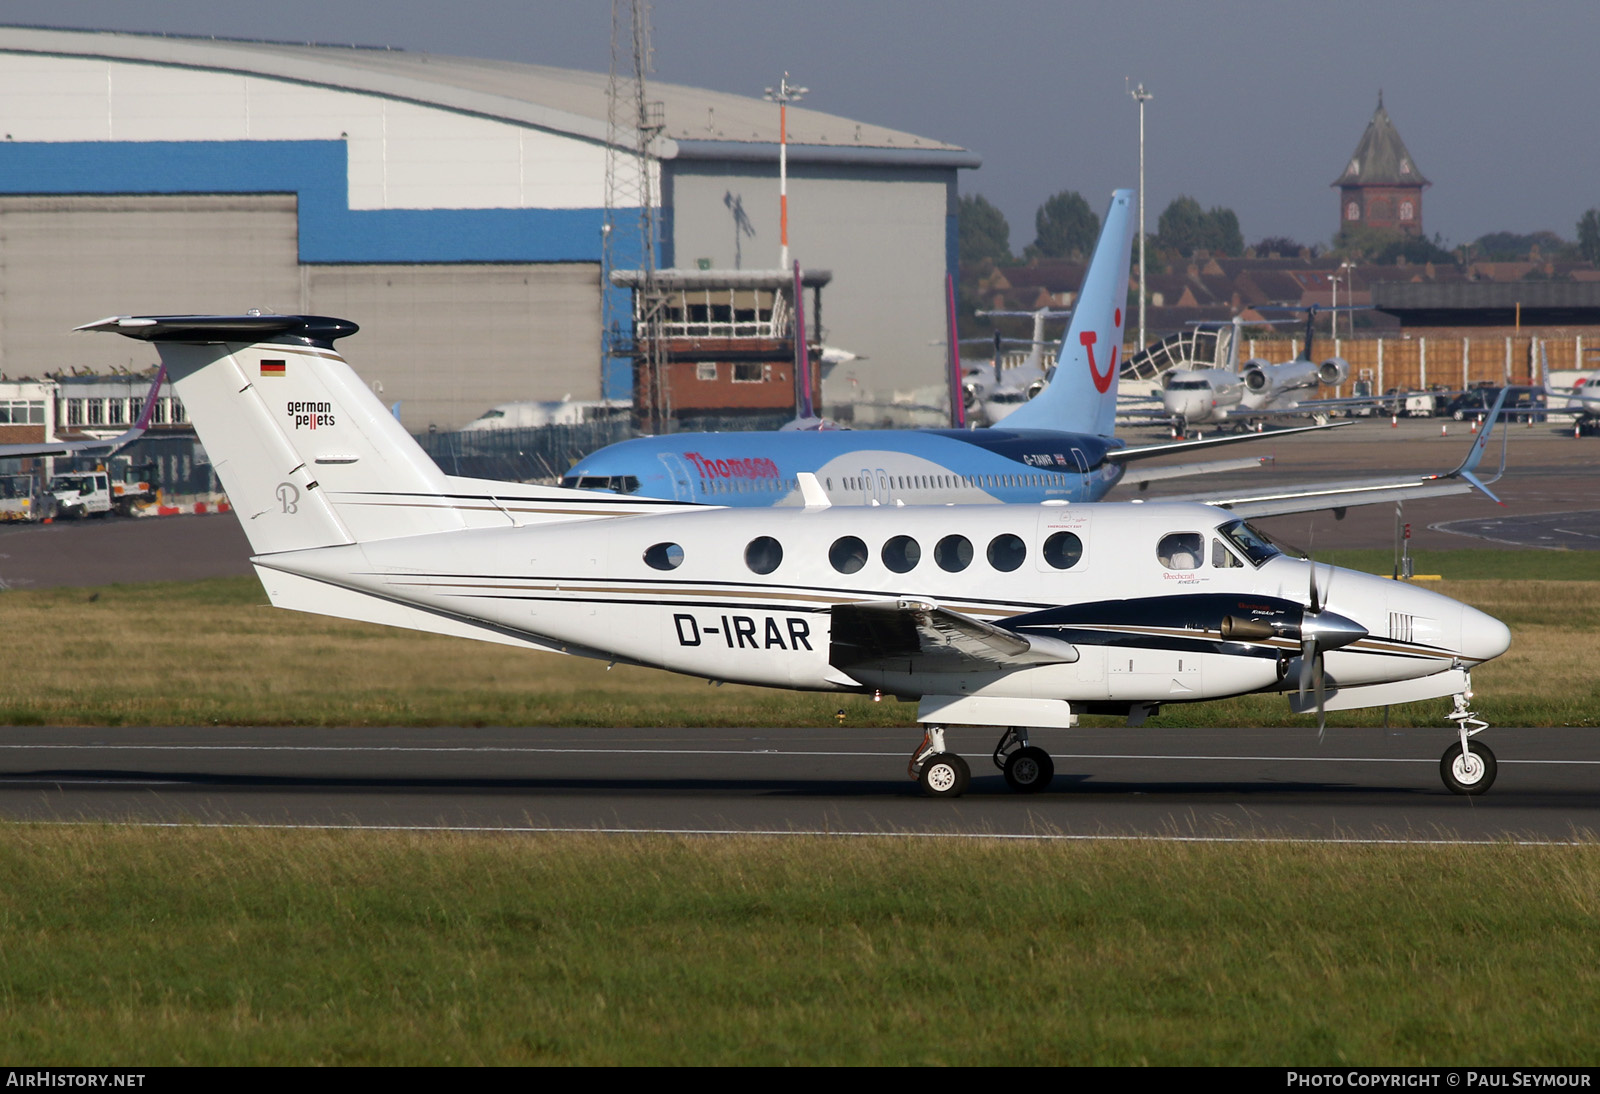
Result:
[1188,385]
[1253,543]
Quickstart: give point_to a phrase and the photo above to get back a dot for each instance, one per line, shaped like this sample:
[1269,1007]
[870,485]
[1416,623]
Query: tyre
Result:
[1029,770]
[1472,773]
[944,775]
[1459,415]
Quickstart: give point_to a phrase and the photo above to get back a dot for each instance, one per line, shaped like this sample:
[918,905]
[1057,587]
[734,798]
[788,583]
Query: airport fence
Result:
[1419,362]
[545,453]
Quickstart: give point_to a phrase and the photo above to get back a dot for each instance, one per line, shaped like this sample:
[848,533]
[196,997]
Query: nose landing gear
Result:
[1467,767]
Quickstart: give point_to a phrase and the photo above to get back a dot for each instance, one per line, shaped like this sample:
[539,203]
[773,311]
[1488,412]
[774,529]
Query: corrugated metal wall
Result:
[448,342]
[68,260]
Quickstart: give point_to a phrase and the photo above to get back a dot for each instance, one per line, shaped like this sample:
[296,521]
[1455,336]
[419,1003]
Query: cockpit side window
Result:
[1182,550]
[1253,543]
[1222,558]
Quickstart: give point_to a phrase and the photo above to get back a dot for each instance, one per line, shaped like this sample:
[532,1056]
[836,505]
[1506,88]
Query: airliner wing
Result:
[1318,497]
[1145,452]
[1143,476]
[109,445]
[923,637]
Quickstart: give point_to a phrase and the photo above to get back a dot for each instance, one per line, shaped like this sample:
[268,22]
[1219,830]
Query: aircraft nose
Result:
[1483,637]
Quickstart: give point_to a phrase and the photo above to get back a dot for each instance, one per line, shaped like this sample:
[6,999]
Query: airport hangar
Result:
[452,207]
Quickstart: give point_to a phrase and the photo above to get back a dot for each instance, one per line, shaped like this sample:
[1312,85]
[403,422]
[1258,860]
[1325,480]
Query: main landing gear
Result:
[943,774]
[1467,767]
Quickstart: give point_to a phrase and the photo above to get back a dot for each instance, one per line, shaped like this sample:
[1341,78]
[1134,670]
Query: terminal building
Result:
[452,207]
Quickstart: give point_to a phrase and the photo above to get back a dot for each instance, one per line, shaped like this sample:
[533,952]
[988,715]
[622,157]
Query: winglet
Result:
[1475,453]
[811,491]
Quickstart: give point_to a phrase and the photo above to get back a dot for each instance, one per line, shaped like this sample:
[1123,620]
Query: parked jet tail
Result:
[308,454]
[1082,398]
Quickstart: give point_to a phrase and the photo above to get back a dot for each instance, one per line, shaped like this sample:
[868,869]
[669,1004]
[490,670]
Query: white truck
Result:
[97,493]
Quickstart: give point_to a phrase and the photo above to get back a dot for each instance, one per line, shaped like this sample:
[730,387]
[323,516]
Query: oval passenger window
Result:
[848,554]
[1007,552]
[1063,550]
[664,556]
[763,555]
[901,554]
[953,553]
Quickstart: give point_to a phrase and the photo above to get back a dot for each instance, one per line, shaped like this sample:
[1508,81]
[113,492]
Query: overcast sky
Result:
[1257,104]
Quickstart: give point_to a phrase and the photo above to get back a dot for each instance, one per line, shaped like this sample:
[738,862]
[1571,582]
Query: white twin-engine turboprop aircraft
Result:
[1015,617]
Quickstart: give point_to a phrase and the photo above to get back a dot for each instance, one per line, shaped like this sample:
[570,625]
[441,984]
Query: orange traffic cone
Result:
[1394,421]
[1474,425]
[1444,431]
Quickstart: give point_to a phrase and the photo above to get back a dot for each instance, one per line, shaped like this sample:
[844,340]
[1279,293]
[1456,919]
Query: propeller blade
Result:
[1310,662]
[1322,696]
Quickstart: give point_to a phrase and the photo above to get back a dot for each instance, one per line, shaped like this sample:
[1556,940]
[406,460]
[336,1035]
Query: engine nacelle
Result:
[1333,371]
[1255,374]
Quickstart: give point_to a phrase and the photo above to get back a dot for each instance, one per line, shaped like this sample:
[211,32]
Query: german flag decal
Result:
[274,368]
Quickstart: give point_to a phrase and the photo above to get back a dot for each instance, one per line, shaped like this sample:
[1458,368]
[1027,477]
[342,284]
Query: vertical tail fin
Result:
[1083,396]
[308,455]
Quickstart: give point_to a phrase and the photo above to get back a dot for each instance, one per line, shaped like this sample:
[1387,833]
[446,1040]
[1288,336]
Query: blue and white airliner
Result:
[1060,446]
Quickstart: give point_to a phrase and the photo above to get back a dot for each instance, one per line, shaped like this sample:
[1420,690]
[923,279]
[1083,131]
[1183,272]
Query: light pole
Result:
[1350,291]
[1141,96]
[783,95]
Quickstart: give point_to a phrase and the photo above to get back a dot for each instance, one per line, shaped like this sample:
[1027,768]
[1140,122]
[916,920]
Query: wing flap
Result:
[917,636]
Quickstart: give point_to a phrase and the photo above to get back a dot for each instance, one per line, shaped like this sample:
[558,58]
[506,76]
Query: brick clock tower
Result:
[1381,186]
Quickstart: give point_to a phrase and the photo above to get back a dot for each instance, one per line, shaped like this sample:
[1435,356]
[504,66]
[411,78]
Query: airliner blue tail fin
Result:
[1082,398]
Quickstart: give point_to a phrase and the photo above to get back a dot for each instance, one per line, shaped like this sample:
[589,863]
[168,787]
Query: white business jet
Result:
[1016,617]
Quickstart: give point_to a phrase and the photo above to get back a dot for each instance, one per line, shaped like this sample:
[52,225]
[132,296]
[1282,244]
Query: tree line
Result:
[1066,228]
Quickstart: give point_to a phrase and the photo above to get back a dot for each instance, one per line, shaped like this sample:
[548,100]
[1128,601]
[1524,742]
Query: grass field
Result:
[193,946]
[215,652]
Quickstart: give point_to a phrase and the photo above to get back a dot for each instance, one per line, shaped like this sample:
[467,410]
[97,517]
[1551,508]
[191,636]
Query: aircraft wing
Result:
[1338,496]
[917,636]
[1143,476]
[109,445]
[1148,451]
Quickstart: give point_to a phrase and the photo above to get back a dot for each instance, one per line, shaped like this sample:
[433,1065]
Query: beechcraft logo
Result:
[310,415]
[274,368]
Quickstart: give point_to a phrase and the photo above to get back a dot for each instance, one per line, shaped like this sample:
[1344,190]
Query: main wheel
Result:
[944,775]
[1472,773]
[1029,770]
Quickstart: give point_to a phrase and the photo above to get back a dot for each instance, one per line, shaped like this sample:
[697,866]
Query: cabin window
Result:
[1181,550]
[901,554]
[953,553]
[763,554]
[848,554]
[1063,550]
[1007,552]
[664,556]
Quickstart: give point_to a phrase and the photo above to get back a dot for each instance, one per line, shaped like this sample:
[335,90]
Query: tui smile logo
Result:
[1088,339]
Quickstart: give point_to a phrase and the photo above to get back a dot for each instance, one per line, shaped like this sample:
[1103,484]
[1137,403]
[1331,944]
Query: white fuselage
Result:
[609,589]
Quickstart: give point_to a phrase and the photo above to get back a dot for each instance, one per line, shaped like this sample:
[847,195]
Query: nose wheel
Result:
[1468,766]
[1469,771]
